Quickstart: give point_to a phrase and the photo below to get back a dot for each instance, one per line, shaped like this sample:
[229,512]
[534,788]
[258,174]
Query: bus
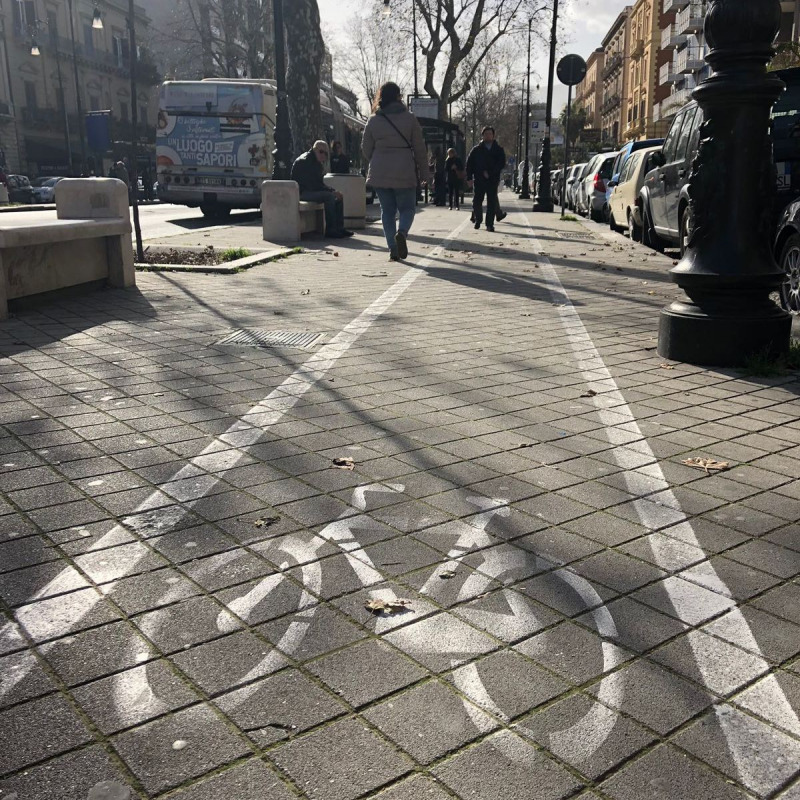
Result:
[214,141]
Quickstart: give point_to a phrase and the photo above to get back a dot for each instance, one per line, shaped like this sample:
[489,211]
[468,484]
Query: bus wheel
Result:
[215,210]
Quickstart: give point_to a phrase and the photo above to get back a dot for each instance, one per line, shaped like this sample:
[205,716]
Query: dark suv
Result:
[664,195]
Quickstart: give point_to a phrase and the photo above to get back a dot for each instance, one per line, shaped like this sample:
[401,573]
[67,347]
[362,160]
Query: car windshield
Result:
[606,165]
[786,124]
[51,182]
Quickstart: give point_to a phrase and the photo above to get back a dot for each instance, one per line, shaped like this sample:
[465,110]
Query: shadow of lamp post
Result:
[728,271]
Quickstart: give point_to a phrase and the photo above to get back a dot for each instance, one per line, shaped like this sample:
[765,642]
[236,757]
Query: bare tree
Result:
[305,51]
[451,33]
[373,52]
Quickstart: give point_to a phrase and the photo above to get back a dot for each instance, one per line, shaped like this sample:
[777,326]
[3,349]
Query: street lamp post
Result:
[387,11]
[544,202]
[134,173]
[525,194]
[728,270]
[283,135]
[519,136]
[78,103]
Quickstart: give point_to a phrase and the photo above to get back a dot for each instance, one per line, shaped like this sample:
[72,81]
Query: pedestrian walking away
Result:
[485,164]
[454,167]
[340,161]
[309,172]
[395,149]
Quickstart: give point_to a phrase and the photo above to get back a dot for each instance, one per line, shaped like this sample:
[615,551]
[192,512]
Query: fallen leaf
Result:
[525,444]
[266,522]
[374,274]
[590,393]
[666,366]
[306,291]
[387,607]
[344,462]
[336,255]
[445,576]
[707,464]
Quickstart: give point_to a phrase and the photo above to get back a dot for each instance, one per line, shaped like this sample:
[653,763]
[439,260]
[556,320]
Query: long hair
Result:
[388,93]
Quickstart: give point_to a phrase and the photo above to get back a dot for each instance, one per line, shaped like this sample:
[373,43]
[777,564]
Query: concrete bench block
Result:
[354,196]
[284,217]
[92,198]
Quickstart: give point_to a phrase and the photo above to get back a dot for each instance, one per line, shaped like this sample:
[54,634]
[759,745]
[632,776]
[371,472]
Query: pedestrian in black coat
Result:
[485,165]
[454,168]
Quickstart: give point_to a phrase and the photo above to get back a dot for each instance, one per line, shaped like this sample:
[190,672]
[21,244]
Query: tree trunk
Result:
[305,51]
[206,40]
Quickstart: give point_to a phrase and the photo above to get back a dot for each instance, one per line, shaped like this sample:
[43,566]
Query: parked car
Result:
[624,205]
[787,254]
[665,201]
[572,177]
[19,189]
[555,193]
[590,191]
[44,189]
[624,154]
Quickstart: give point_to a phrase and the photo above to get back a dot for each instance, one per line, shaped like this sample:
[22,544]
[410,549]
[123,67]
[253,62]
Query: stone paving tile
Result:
[666,774]
[773,638]
[150,753]
[772,756]
[341,761]
[418,787]
[429,721]
[252,780]
[504,766]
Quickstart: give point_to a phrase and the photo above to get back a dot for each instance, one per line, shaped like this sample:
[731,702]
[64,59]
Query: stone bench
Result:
[89,241]
[285,217]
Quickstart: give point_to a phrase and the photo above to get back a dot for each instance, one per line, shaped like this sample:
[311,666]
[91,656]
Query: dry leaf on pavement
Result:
[378,606]
[590,393]
[266,523]
[344,462]
[707,464]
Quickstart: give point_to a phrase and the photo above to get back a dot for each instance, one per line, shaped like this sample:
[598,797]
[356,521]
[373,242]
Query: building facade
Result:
[56,61]
[589,92]
[615,80]
[644,42]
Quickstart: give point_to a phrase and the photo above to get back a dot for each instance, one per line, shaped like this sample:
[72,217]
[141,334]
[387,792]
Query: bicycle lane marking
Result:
[50,615]
[694,601]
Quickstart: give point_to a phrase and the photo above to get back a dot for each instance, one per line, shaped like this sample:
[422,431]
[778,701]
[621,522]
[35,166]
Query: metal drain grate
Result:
[563,235]
[255,337]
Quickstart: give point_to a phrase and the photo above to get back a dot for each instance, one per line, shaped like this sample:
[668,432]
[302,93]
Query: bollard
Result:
[728,270]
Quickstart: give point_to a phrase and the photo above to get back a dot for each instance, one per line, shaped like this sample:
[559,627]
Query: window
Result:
[24,15]
[686,134]
[121,49]
[671,142]
[30,95]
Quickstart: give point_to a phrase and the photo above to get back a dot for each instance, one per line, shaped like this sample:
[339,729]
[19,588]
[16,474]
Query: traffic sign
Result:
[571,70]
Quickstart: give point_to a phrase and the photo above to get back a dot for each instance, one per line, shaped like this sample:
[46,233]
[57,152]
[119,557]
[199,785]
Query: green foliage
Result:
[569,218]
[787,54]
[234,254]
[577,121]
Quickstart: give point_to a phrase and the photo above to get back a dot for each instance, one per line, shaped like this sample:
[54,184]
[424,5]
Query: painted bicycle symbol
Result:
[303,559]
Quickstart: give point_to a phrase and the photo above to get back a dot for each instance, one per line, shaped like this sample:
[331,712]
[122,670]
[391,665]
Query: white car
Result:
[590,193]
[625,205]
[572,177]
[44,190]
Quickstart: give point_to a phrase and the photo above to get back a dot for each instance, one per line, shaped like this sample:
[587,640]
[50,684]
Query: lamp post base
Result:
[716,339]
[540,205]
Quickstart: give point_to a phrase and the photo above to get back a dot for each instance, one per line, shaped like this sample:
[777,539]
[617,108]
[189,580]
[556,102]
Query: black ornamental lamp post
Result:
[282,154]
[544,202]
[525,194]
[728,270]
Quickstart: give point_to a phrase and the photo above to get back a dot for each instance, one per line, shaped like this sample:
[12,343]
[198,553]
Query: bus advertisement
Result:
[213,143]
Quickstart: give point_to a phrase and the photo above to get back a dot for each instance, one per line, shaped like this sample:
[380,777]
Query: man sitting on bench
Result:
[308,171]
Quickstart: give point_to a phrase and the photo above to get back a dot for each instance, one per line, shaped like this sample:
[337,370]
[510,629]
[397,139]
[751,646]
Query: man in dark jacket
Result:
[340,162]
[308,170]
[485,164]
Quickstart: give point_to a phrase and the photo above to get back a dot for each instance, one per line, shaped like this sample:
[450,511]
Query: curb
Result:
[229,268]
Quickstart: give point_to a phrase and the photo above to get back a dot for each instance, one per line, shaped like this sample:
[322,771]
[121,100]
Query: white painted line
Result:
[693,603]
[50,619]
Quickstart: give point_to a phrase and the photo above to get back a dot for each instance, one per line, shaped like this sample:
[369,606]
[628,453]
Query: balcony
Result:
[689,60]
[615,62]
[675,101]
[610,103]
[5,109]
[674,5]
[691,19]
[670,38]
[667,74]
[637,48]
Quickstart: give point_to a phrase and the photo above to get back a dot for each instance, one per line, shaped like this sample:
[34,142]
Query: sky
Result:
[581,29]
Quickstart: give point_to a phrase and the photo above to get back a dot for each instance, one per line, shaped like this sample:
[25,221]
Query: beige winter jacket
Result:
[392,164]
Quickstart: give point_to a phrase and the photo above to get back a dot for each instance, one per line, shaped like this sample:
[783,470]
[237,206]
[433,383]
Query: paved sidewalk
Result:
[568,610]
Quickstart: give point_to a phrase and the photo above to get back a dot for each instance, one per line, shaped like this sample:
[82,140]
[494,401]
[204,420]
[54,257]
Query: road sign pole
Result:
[566,155]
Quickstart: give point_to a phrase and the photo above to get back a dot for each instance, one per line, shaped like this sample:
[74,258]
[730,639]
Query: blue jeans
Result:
[393,201]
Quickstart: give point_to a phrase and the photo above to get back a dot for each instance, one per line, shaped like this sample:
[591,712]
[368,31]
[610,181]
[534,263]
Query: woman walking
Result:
[395,149]
[454,167]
